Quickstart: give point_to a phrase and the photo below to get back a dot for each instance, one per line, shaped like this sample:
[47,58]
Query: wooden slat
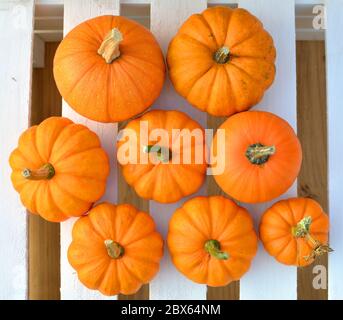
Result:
[75,12]
[230,292]
[126,194]
[268,279]
[44,237]
[166,18]
[16,18]
[312,132]
[334,54]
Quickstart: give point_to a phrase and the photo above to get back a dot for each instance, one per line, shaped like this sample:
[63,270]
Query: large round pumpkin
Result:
[212,240]
[222,61]
[59,169]
[115,249]
[261,156]
[109,69]
[173,167]
[295,231]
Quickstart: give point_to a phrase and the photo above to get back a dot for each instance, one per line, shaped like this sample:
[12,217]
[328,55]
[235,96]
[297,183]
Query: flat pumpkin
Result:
[159,177]
[109,69]
[262,156]
[222,61]
[59,169]
[115,249]
[295,231]
[212,240]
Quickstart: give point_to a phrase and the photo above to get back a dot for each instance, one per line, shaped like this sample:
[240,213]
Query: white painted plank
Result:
[334,60]
[15,94]
[75,12]
[166,18]
[267,278]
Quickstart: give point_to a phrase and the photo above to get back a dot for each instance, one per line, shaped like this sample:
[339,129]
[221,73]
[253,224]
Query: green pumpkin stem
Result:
[302,230]
[162,153]
[213,248]
[222,55]
[259,154]
[114,249]
[46,172]
[109,48]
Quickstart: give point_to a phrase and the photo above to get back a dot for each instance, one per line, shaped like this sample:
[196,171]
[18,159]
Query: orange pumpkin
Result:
[262,156]
[171,170]
[295,231]
[115,249]
[222,61]
[109,69]
[59,169]
[212,240]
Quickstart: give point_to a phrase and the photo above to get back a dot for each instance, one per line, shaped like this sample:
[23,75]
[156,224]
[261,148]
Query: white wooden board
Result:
[267,278]
[166,18]
[16,23]
[75,12]
[334,59]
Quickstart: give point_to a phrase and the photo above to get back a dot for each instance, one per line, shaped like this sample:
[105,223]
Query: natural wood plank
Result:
[230,292]
[16,23]
[312,132]
[44,237]
[126,194]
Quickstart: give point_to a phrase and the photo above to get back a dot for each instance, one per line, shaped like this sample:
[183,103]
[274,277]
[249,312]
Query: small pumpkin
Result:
[262,156]
[295,231]
[109,68]
[212,240]
[59,169]
[222,61]
[115,249]
[160,177]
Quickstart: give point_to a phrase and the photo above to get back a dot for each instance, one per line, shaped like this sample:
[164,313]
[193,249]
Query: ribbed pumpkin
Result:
[160,177]
[212,240]
[109,69]
[115,249]
[262,156]
[295,231]
[59,169]
[222,61]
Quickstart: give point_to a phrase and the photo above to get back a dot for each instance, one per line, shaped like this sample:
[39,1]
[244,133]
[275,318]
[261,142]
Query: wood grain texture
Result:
[312,132]
[44,236]
[230,292]
[16,23]
[126,194]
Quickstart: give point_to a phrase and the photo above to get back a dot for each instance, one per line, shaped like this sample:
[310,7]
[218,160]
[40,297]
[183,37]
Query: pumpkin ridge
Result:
[198,79]
[190,220]
[70,55]
[24,158]
[207,24]
[33,144]
[78,81]
[246,73]
[277,254]
[230,90]
[56,203]
[33,198]
[259,28]
[188,38]
[126,59]
[85,267]
[130,272]
[127,244]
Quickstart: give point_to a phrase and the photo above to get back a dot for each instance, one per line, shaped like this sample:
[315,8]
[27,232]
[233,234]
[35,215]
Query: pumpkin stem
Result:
[302,230]
[213,248]
[259,154]
[109,48]
[222,55]
[162,153]
[44,173]
[114,249]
